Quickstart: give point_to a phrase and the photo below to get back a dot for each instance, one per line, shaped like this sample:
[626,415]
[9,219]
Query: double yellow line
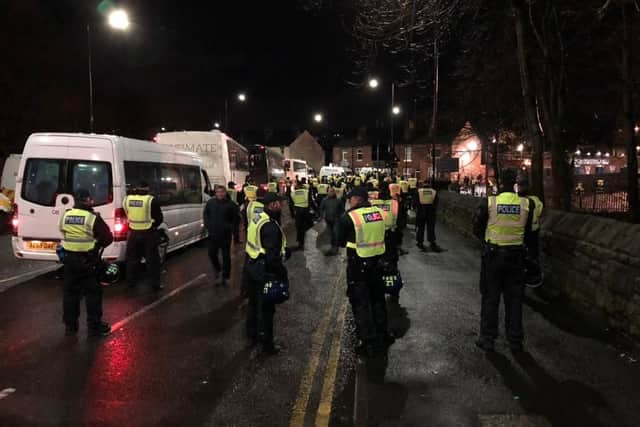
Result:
[323,413]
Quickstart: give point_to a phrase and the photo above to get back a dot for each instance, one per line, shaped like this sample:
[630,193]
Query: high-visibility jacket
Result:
[339,192]
[254,247]
[300,197]
[394,189]
[374,182]
[508,215]
[251,192]
[390,210]
[370,228]
[138,209]
[272,187]
[76,226]
[373,195]
[254,208]
[314,182]
[404,186]
[356,181]
[413,183]
[323,189]
[233,195]
[426,196]
[537,213]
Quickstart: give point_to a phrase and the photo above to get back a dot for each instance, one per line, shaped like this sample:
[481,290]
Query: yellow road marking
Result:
[326,398]
[306,384]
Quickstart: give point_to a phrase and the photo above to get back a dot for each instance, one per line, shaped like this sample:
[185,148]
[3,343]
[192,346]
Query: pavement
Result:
[14,271]
[178,357]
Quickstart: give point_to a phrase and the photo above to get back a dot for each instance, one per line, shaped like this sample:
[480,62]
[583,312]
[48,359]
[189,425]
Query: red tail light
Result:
[14,220]
[120,226]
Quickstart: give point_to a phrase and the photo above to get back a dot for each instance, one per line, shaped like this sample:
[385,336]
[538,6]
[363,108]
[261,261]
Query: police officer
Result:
[266,250]
[302,201]
[501,222]
[323,191]
[361,230]
[272,186]
[144,216]
[250,192]
[83,233]
[426,205]
[220,215]
[533,276]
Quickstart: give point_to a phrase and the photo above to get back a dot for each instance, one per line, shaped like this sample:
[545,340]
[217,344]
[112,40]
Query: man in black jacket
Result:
[219,216]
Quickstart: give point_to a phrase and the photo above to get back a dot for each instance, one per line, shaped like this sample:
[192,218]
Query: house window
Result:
[407,153]
[345,155]
[359,155]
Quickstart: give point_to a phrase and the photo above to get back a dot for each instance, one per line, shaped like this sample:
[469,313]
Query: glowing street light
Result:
[599,153]
[520,148]
[317,118]
[373,83]
[216,125]
[578,152]
[395,110]
[119,20]
[242,97]
[637,129]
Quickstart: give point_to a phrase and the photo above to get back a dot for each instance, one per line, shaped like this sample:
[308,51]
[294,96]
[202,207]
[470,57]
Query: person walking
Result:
[238,199]
[83,234]
[266,251]
[331,209]
[502,222]
[361,230]
[302,200]
[144,216]
[426,205]
[220,216]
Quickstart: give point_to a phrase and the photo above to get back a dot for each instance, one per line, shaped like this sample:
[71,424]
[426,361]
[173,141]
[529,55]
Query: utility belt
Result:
[493,248]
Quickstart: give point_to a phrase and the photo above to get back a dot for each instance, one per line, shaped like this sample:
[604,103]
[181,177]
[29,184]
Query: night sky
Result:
[175,67]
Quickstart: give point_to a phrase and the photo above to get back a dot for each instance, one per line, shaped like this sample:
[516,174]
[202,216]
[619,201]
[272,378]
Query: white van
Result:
[333,170]
[223,158]
[296,168]
[55,165]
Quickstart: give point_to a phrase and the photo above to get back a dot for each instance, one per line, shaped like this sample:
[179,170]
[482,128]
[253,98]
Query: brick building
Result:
[304,147]
[352,153]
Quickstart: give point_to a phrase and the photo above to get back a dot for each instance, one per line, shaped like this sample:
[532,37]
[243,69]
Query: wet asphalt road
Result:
[183,361]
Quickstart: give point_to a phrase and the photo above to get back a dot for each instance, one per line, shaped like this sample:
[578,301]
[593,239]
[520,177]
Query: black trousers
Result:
[143,244]
[236,230]
[220,244]
[331,228]
[260,312]
[426,215]
[365,291]
[502,274]
[80,280]
[303,223]
[390,257]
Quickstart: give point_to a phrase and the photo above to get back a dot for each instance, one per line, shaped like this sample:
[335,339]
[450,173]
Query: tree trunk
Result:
[627,109]
[434,116]
[531,118]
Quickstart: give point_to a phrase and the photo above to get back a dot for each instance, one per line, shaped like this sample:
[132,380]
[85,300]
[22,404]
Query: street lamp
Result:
[318,118]
[373,83]
[117,19]
[395,110]
[520,148]
[242,97]
[216,125]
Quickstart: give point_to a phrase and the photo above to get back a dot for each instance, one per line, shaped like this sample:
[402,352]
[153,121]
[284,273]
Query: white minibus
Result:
[55,165]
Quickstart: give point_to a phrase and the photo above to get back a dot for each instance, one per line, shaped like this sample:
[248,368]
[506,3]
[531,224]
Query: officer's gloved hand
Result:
[287,253]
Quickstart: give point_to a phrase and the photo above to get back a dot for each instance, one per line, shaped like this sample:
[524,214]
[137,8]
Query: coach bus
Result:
[264,164]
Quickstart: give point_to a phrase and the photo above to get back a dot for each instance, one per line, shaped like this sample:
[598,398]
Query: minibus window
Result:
[43,180]
[94,177]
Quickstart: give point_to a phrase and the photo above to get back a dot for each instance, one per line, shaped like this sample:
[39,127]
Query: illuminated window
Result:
[408,153]
[359,155]
[345,155]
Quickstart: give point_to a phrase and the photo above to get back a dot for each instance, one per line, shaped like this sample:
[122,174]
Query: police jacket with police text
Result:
[219,217]
[156,211]
[101,231]
[481,219]
[271,241]
[347,231]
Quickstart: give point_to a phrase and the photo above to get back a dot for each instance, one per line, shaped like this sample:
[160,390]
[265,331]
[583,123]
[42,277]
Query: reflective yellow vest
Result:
[426,196]
[339,192]
[390,210]
[404,186]
[323,189]
[373,195]
[138,209]
[394,189]
[251,192]
[508,214]
[374,182]
[76,226]
[233,195]
[356,182]
[272,187]
[314,182]
[300,198]
[413,183]
[537,213]
[254,208]
[254,246]
[370,228]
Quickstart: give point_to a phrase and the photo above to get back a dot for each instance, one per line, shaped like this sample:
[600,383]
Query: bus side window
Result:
[287,165]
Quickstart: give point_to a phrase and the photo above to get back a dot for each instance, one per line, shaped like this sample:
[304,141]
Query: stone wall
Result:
[592,262]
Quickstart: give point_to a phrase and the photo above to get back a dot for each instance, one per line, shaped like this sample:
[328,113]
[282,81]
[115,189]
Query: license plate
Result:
[38,245]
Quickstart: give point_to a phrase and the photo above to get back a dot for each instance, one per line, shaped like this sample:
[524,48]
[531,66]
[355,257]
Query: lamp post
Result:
[118,19]
[394,110]
[241,97]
